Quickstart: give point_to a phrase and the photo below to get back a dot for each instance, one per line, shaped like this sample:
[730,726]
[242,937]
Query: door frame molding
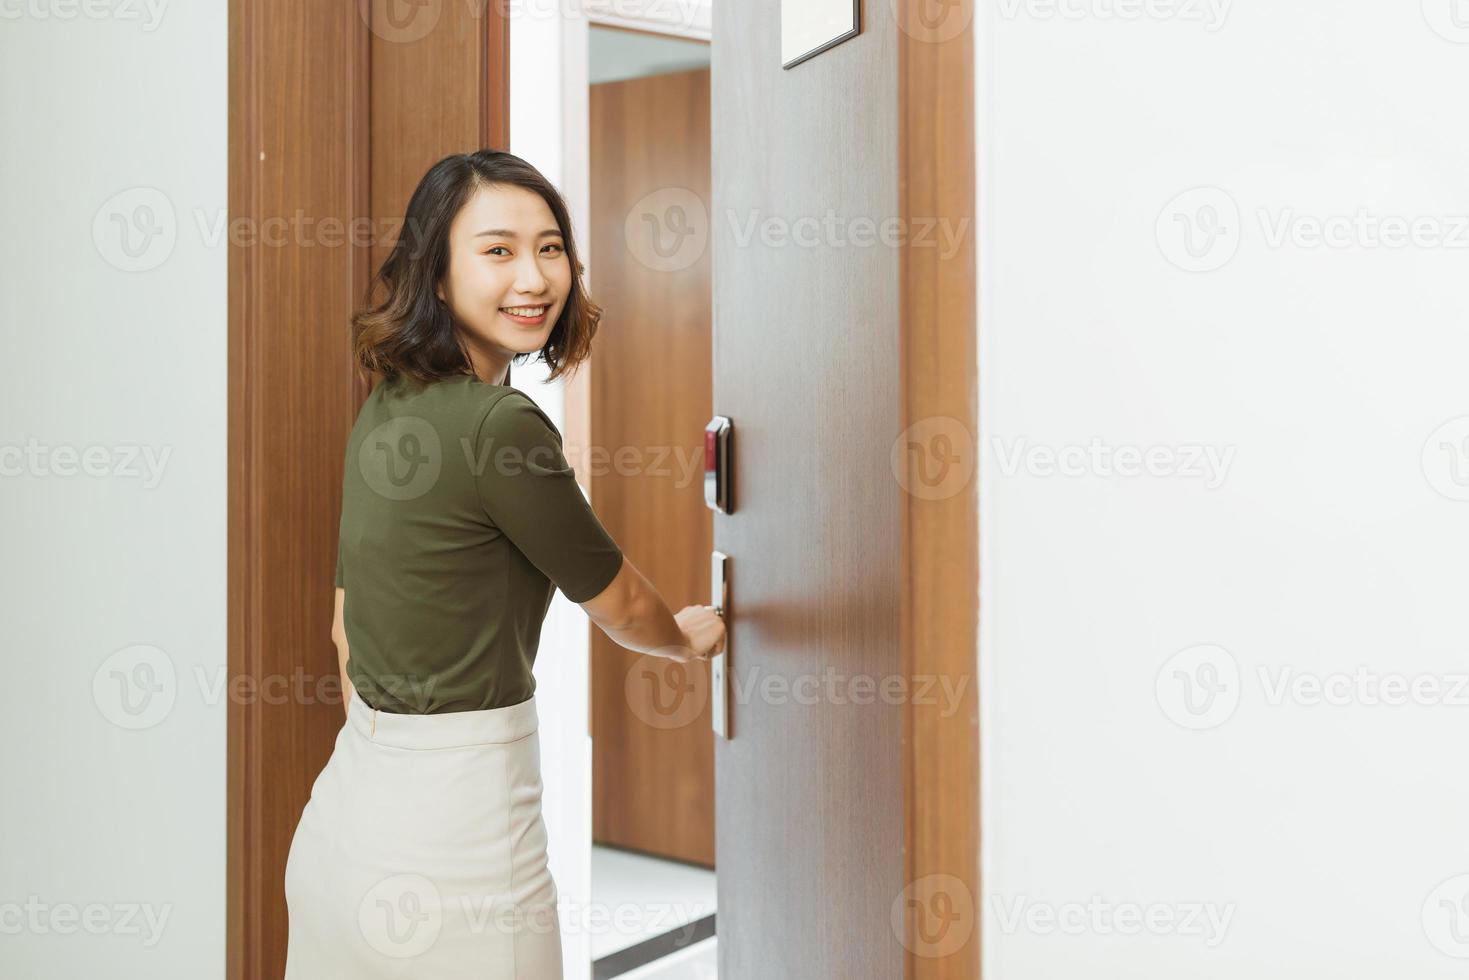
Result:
[940,561]
[692,19]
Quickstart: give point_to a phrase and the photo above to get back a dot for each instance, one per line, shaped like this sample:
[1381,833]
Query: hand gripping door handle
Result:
[719,662]
[719,496]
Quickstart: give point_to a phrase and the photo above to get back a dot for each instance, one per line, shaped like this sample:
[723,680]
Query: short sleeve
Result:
[530,492]
[339,560]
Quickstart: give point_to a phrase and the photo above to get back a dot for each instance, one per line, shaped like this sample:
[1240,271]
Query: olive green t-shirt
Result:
[460,519]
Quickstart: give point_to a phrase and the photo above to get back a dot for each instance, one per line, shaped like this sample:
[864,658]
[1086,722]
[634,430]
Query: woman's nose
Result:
[529,278]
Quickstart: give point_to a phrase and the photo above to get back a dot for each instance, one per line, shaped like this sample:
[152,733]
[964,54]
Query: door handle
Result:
[719,662]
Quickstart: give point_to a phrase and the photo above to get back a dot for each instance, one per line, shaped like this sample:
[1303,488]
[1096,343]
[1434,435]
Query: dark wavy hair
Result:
[411,332]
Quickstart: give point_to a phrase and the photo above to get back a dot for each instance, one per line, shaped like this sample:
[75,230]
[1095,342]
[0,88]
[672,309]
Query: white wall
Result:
[1322,831]
[113,314]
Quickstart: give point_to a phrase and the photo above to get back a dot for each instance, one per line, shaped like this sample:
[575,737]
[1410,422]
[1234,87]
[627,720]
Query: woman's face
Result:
[508,277]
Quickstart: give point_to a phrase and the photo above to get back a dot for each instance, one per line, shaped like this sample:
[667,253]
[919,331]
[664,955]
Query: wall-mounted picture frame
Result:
[809,27]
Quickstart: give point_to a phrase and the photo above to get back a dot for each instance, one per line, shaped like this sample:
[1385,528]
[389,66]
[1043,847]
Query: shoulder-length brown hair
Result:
[411,332]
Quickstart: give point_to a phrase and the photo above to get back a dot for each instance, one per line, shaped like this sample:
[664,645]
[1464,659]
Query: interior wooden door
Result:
[649,268]
[807,366]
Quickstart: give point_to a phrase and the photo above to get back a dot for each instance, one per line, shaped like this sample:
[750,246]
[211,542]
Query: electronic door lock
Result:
[718,478]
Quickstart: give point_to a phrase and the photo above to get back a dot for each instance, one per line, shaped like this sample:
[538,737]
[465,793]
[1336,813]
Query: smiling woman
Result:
[460,519]
[524,271]
[483,275]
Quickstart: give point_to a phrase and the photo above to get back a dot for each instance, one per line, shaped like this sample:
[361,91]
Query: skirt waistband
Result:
[445,729]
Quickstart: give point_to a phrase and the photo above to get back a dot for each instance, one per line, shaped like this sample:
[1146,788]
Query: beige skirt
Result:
[422,852]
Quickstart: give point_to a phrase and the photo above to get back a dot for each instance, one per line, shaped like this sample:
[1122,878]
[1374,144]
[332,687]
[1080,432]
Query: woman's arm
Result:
[634,615]
[339,637]
[535,500]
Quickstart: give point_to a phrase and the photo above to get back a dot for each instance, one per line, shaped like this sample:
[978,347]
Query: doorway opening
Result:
[651,395]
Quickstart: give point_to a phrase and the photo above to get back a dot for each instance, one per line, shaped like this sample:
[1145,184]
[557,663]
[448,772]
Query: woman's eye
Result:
[500,249]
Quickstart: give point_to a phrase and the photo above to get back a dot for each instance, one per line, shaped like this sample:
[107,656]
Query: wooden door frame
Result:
[310,84]
[940,562]
[688,19]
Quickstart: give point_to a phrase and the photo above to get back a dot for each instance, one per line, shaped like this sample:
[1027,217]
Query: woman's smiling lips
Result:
[520,314]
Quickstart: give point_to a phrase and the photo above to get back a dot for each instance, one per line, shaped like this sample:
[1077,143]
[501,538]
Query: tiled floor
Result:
[642,897]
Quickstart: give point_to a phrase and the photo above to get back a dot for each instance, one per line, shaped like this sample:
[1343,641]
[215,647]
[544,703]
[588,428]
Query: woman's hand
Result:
[703,631]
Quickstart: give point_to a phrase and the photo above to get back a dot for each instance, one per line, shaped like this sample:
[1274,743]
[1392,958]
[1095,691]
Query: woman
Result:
[422,852]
